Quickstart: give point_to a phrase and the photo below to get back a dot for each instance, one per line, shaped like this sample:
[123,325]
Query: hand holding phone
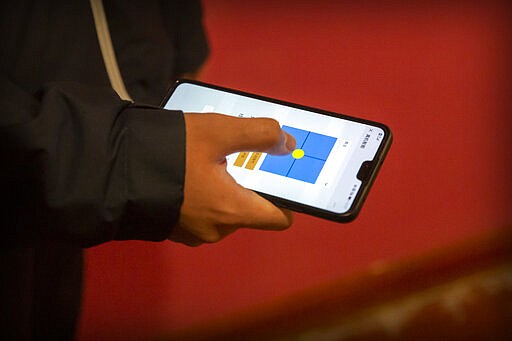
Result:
[330,171]
[214,204]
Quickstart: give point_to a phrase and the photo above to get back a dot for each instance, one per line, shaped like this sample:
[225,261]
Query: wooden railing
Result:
[462,292]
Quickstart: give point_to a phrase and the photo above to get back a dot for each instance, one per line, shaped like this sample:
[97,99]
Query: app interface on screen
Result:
[320,172]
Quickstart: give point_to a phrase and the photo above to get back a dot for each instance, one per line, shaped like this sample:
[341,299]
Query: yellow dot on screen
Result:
[298,154]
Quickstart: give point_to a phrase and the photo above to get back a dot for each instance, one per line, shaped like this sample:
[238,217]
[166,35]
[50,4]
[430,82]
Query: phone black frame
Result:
[366,184]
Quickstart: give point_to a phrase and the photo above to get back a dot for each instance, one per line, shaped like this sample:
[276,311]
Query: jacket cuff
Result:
[154,170]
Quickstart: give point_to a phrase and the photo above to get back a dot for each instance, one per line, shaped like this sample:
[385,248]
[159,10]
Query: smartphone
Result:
[330,172]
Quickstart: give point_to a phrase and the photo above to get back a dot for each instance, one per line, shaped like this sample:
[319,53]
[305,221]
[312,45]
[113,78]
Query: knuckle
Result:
[270,131]
[211,238]
[228,217]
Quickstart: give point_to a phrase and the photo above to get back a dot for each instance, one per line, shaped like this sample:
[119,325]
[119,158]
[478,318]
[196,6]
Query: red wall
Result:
[438,74]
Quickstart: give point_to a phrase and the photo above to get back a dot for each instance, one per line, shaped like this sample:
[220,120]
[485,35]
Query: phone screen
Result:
[324,171]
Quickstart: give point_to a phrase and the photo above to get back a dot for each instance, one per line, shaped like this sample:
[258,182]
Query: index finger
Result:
[233,134]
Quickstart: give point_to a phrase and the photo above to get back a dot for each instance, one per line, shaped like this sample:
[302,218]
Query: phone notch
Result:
[366,170]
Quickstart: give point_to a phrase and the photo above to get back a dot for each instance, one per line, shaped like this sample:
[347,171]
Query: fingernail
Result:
[290,142]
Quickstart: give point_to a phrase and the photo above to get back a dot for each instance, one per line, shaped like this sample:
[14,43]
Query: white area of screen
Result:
[336,186]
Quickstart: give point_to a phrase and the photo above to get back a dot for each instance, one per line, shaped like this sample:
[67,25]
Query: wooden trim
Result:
[468,264]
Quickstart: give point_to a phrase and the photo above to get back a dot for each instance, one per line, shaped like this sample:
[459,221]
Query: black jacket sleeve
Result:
[184,22]
[79,164]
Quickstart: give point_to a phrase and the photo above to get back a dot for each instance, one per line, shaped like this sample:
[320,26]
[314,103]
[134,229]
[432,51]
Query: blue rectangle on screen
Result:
[318,146]
[306,169]
[277,164]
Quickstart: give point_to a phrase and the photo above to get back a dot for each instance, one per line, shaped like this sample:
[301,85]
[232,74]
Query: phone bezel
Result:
[366,184]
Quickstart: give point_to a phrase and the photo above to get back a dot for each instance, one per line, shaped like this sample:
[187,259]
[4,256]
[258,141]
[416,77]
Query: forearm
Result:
[84,166]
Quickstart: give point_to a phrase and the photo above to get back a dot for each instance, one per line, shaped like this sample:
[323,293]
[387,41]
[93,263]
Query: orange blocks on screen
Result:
[253,159]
